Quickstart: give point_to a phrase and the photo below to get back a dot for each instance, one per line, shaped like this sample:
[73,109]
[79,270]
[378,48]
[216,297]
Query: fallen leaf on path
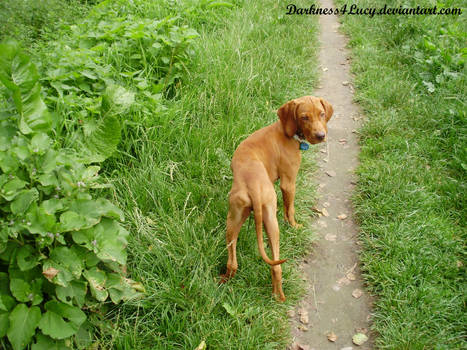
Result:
[323,150]
[297,346]
[347,348]
[345,83]
[343,141]
[325,69]
[322,224]
[325,212]
[303,316]
[326,204]
[361,330]
[351,276]
[330,237]
[331,336]
[201,346]
[342,216]
[343,281]
[357,293]
[331,173]
[359,338]
[303,328]
[291,313]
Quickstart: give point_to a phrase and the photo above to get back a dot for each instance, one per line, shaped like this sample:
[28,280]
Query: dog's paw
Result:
[296,225]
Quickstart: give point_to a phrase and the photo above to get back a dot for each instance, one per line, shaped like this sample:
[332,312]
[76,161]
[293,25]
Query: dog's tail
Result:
[258,213]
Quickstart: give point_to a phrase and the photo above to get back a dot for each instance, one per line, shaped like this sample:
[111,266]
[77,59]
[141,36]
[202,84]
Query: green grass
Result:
[172,178]
[30,21]
[411,196]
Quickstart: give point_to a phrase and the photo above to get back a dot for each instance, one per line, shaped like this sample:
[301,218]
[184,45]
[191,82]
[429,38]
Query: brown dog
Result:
[269,154]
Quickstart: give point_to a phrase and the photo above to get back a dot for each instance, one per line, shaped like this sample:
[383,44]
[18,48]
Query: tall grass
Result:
[172,178]
[411,198]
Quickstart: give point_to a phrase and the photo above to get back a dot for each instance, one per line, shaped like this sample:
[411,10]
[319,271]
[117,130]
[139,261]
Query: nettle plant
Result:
[62,250]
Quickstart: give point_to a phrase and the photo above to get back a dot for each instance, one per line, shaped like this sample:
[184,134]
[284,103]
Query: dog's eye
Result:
[305,117]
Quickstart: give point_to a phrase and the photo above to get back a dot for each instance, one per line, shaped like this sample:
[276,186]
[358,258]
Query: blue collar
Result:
[304,146]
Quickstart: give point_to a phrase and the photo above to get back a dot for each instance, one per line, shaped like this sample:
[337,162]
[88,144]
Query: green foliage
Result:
[29,21]
[61,249]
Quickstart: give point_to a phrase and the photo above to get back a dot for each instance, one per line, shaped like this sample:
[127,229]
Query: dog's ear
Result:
[327,108]
[287,117]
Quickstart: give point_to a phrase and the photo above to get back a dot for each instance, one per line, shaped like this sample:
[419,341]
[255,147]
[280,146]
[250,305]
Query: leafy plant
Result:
[61,249]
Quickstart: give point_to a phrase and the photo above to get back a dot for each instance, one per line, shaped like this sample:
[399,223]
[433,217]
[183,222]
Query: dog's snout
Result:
[320,135]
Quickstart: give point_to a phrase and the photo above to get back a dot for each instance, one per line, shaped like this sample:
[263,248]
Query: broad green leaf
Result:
[7,132]
[96,279]
[23,323]
[102,142]
[51,206]
[38,221]
[96,208]
[11,189]
[117,99]
[27,258]
[68,264]
[8,163]
[61,320]
[6,301]
[4,323]
[119,289]
[75,292]
[73,221]
[107,239]
[40,143]
[44,342]
[23,200]
[27,291]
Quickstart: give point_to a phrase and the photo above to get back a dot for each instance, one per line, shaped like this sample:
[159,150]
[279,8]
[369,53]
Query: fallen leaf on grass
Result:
[201,346]
[332,337]
[359,338]
[357,293]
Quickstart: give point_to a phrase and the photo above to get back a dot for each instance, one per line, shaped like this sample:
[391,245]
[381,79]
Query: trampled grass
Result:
[172,178]
[411,81]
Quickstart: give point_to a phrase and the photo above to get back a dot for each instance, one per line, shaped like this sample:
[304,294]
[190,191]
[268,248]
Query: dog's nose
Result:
[320,135]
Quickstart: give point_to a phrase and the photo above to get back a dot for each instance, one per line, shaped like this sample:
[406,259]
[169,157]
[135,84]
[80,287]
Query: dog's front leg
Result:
[288,194]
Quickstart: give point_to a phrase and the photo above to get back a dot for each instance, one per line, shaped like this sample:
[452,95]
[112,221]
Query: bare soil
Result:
[333,304]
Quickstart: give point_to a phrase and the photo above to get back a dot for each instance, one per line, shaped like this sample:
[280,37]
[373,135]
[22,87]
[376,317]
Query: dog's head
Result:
[306,117]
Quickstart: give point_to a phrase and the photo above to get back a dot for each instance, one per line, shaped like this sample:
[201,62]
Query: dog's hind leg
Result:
[272,229]
[238,212]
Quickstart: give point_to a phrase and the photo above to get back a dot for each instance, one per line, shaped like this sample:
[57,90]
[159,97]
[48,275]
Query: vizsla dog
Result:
[267,155]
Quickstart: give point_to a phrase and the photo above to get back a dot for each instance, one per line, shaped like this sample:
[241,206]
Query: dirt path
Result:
[332,268]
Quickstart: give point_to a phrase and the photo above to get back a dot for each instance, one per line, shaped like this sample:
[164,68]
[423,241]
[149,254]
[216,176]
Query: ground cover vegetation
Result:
[156,94]
[411,197]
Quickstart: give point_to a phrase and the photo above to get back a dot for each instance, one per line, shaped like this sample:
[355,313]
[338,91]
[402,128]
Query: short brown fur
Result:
[267,155]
